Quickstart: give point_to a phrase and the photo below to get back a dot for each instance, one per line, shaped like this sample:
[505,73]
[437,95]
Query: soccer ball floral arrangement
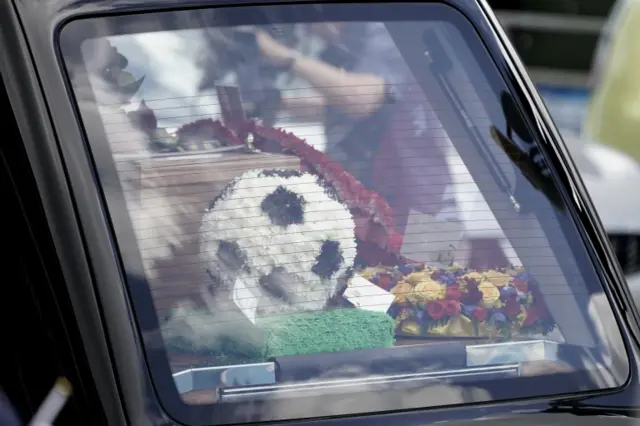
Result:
[375,228]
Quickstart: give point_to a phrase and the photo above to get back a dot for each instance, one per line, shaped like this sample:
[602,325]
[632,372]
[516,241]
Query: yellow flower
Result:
[475,275]
[411,328]
[402,291]
[370,272]
[455,267]
[496,278]
[426,291]
[515,270]
[490,294]
[462,285]
[415,278]
[459,326]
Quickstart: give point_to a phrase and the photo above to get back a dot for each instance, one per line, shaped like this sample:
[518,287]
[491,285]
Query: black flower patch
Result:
[232,256]
[329,189]
[276,283]
[226,191]
[338,300]
[329,260]
[280,173]
[284,207]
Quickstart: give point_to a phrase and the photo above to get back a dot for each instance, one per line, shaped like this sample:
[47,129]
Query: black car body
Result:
[75,254]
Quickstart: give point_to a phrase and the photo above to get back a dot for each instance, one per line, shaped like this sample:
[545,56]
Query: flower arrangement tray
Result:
[460,303]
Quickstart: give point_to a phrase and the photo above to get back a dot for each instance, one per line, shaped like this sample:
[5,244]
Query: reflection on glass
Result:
[312,220]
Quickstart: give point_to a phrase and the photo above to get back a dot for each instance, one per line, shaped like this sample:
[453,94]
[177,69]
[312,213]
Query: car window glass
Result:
[323,208]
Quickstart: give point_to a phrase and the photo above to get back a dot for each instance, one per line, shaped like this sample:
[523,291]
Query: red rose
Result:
[534,313]
[532,316]
[436,309]
[539,303]
[521,286]
[453,293]
[511,308]
[480,314]
[384,281]
[376,233]
[394,242]
[452,308]
[543,312]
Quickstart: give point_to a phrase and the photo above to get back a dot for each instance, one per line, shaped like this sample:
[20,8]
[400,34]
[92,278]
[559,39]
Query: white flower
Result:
[284,234]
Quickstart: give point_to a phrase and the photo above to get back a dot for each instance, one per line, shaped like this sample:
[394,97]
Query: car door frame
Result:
[80,228]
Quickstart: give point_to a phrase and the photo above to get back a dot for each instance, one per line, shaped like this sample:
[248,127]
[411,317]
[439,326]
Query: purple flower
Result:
[448,278]
[393,311]
[507,291]
[468,309]
[523,276]
[497,317]
[406,269]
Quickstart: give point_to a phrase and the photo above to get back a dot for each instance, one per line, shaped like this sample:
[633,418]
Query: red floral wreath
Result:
[379,242]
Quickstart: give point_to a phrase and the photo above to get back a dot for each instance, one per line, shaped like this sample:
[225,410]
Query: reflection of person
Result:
[378,124]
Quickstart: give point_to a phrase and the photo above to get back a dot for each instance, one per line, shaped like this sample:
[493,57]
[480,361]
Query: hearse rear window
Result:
[333,216]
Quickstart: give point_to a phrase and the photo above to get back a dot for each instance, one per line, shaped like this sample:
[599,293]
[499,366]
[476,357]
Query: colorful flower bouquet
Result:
[457,302]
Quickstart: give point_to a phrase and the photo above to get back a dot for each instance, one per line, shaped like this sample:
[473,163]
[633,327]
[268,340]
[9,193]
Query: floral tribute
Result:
[378,242]
[203,134]
[373,216]
[453,302]
[458,302]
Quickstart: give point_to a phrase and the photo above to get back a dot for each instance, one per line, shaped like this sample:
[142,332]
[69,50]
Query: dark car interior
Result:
[38,325]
